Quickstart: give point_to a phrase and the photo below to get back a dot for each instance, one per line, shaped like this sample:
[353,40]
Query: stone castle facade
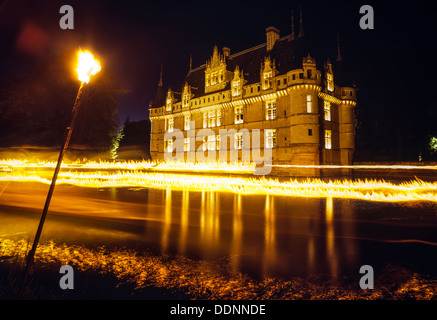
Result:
[304,111]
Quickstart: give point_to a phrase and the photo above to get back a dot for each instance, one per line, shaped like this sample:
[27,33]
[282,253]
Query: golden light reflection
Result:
[237,233]
[368,190]
[184,220]
[269,234]
[209,218]
[311,254]
[167,220]
[330,236]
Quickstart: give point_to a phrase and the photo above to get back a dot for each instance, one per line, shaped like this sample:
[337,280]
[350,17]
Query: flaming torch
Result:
[86,67]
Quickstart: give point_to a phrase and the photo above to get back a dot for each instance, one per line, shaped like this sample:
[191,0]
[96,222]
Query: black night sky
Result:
[393,65]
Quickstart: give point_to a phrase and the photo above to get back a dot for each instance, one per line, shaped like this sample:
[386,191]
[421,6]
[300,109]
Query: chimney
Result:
[272,35]
[226,51]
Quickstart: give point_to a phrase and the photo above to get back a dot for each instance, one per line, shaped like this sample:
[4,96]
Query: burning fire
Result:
[163,176]
[87,66]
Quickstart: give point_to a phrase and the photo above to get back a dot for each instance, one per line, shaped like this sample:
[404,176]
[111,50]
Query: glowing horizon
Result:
[137,175]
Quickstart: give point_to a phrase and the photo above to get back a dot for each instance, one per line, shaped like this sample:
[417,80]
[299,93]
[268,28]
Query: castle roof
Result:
[286,53]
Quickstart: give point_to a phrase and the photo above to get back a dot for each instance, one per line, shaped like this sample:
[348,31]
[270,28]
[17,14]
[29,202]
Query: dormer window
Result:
[236,91]
[329,76]
[267,73]
[185,102]
[237,83]
[186,95]
[169,101]
[215,72]
[267,80]
[330,81]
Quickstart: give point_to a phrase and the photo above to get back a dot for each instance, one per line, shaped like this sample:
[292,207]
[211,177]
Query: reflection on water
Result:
[264,235]
[237,232]
[269,235]
[167,220]
[260,235]
[330,236]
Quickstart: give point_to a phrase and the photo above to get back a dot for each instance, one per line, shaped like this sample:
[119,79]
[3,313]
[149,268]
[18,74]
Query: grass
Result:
[127,274]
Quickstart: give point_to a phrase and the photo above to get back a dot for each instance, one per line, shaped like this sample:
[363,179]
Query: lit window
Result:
[266,81]
[330,81]
[219,118]
[187,120]
[186,96]
[309,104]
[238,115]
[169,145]
[236,89]
[213,78]
[270,110]
[238,141]
[328,144]
[270,138]
[185,102]
[186,144]
[327,107]
[211,119]
[211,142]
[168,105]
[205,143]
[217,139]
[170,124]
[205,119]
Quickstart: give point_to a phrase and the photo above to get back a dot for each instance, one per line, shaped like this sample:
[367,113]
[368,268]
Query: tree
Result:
[35,109]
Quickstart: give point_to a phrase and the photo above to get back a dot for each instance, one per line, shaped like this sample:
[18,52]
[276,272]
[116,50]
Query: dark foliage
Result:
[35,109]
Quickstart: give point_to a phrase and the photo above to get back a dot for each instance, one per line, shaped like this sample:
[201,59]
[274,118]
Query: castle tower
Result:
[304,116]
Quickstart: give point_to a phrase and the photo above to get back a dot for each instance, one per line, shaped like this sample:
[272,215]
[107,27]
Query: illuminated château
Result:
[305,112]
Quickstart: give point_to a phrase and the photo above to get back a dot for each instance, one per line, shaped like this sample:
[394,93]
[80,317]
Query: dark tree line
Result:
[36,108]
[135,141]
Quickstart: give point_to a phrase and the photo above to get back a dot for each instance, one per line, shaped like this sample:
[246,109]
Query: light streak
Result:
[369,190]
[370,167]
[198,167]
[236,168]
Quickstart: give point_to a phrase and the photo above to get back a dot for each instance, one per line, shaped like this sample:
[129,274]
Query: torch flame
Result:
[87,66]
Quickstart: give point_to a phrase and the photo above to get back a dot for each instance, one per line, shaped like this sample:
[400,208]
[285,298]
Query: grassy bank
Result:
[126,274]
